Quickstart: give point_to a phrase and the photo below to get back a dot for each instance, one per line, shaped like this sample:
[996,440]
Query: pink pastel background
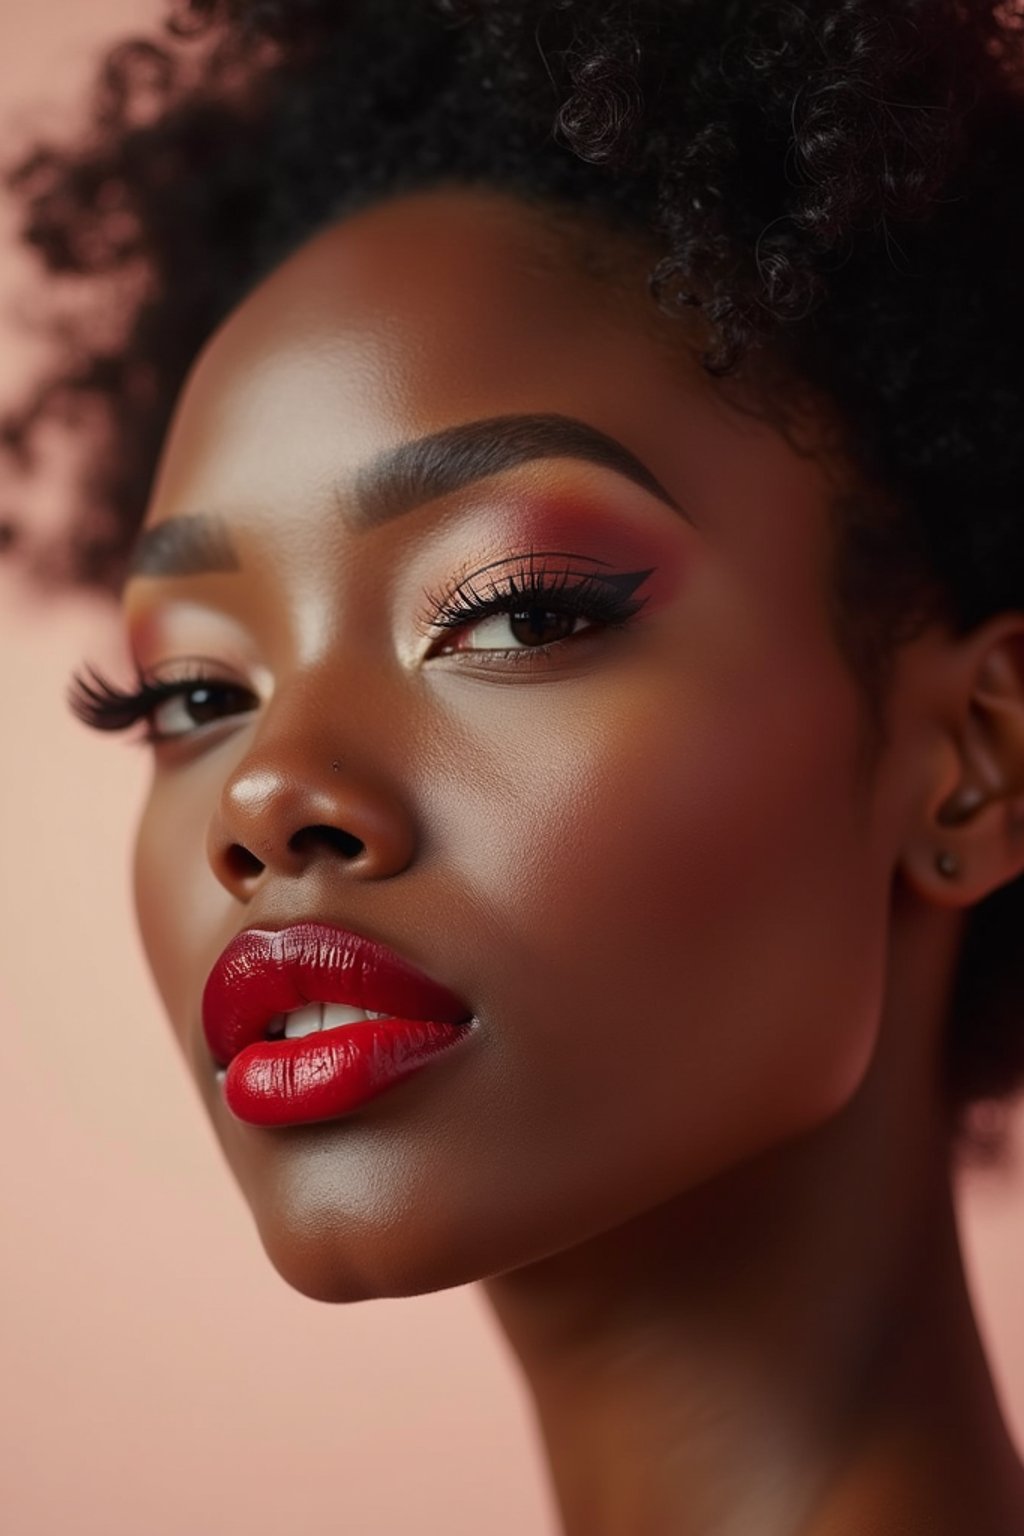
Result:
[158,1376]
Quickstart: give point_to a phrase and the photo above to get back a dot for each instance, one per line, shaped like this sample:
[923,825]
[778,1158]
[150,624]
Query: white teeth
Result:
[318,1016]
[341,1013]
[304,1021]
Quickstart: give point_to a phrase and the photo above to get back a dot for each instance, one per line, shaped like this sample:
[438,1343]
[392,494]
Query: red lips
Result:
[263,972]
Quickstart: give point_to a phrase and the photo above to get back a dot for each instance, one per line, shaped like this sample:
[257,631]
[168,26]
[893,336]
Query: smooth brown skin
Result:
[696,1150]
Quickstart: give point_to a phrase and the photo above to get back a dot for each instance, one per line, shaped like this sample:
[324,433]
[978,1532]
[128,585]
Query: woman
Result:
[561,478]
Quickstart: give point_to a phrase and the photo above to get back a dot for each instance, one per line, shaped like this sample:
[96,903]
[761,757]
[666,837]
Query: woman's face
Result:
[647,855]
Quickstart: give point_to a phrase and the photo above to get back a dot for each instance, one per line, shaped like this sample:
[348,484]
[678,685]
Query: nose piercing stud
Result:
[947,863]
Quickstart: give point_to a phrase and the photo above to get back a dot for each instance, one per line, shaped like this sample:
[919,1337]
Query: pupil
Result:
[532,622]
[197,697]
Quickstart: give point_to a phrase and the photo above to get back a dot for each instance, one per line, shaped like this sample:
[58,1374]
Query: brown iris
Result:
[531,621]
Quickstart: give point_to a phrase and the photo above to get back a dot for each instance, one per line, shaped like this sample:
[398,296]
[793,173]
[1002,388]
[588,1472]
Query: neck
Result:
[788,1349]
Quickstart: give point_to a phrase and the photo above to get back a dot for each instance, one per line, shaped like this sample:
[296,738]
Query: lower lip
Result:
[330,1072]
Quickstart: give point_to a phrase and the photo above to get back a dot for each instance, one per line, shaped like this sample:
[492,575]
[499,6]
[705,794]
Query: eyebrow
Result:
[403,478]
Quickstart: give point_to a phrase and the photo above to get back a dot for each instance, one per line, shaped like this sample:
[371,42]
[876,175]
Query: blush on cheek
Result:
[710,886]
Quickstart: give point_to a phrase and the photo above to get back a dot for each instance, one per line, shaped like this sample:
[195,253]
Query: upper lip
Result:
[263,972]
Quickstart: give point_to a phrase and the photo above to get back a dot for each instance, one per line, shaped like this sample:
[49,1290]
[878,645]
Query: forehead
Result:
[430,305]
[457,305]
[456,265]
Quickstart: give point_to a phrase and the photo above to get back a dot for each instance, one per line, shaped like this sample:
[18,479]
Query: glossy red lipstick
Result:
[264,973]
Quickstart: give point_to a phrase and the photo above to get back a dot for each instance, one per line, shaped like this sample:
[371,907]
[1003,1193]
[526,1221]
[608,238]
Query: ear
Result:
[974,813]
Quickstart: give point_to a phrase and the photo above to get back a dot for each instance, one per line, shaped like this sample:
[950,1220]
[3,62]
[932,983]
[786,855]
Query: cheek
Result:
[669,917]
[691,944]
[180,907]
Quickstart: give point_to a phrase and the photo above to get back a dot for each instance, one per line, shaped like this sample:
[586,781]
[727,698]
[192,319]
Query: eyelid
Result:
[103,706]
[531,568]
[605,599]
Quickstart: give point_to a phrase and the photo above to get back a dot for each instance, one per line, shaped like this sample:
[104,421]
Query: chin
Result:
[332,1261]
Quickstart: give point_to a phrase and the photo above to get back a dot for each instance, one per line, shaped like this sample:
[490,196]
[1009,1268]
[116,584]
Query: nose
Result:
[302,794]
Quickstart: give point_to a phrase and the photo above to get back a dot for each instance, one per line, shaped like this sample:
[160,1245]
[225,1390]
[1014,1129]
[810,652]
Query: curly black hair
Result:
[833,185]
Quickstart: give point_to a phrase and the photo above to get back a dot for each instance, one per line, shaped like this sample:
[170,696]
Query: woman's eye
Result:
[170,710]
[535,610]
[527,627]
[191,706]
[532,616]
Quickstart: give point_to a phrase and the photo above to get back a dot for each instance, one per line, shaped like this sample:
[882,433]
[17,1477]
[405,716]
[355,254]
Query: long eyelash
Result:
[605,598]
[105,707]
[102,706]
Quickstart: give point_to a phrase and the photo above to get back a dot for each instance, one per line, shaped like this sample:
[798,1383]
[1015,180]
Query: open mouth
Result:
[317,1016]
[285,1060]
[312,1019]
[327,1059]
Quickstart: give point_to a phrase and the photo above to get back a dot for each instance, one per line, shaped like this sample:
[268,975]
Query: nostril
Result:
[241,863]
[334,837]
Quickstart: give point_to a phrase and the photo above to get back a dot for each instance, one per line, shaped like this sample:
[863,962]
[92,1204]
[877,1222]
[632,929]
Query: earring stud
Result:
[947,863]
